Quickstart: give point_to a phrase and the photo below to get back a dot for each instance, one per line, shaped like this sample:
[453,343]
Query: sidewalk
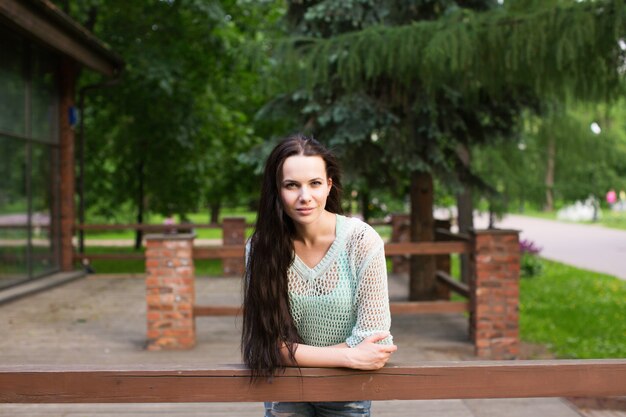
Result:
[100,320]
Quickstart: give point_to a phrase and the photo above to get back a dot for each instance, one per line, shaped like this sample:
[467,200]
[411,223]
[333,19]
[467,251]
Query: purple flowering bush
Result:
[531,264]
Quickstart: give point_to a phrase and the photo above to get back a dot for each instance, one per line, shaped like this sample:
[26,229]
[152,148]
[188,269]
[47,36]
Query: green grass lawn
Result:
[575,313]
[197,218]
[204,267]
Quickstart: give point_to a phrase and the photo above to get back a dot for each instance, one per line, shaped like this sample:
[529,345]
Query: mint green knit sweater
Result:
[344,298]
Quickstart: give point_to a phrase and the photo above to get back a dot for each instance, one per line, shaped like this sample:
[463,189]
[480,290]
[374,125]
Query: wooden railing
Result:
[428,380]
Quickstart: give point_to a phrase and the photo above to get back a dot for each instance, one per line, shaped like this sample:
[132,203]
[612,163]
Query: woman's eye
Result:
[290,186]
[316,183]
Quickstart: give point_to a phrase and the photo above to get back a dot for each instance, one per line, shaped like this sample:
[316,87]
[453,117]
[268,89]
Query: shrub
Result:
[531,264]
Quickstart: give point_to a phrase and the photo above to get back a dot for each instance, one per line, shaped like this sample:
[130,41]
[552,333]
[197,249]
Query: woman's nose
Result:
[305,195]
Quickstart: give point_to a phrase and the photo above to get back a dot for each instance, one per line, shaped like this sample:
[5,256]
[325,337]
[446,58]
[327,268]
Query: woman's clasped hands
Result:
[369,355]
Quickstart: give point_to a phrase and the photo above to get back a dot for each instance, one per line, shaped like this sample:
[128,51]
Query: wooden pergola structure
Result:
[41,22]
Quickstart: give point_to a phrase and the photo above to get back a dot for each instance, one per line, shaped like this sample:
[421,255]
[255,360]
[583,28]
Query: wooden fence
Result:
[422,381]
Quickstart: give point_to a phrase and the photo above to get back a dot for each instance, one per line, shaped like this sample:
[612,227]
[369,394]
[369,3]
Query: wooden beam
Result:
[91,54]
[428,307]
[427,248]
[218,252]
[428,380]
[216,311]
[397,308]
[145,227]
[109,256]
[456,286]
[448,235]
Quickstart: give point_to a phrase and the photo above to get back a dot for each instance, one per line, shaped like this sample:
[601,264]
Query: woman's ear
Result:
[330,184]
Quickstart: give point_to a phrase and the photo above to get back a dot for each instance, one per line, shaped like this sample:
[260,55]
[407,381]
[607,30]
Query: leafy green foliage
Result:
[554,51]
[167,137]
[585,163]
[531,265]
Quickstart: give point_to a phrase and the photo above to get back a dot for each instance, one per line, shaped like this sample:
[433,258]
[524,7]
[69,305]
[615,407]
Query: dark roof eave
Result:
[44,21]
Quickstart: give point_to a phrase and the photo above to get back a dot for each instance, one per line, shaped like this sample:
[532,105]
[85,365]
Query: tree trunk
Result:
[549,206]
[465,208]
[422,284]
[215,207]
[140,205]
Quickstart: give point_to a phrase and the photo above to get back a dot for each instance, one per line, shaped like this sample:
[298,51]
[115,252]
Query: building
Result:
[42,51]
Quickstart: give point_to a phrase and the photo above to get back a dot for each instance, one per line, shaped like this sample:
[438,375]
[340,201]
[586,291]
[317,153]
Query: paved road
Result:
[591,247]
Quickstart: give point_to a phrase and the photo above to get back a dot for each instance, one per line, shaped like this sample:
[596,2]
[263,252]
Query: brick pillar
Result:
[494,293]
[67,84]
[170,293]
[234,233]
[400,232]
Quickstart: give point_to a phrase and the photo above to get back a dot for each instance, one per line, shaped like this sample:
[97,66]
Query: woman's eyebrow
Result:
[289,180]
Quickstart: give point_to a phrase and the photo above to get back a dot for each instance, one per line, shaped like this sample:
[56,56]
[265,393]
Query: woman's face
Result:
[304,188]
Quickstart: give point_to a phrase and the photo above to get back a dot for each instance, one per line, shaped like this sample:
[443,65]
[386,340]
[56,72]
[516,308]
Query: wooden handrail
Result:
[109,256]
[452,236]
[428,380]
[236,251]
[396,308]
[459,287]
[427,248]
[146,227]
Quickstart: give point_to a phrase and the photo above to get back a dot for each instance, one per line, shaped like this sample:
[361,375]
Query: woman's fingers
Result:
[369,355]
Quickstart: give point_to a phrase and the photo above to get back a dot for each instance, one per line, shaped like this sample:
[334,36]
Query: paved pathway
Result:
[585,246]
[100,320]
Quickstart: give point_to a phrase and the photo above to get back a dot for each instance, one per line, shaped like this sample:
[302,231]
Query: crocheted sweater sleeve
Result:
[372,295]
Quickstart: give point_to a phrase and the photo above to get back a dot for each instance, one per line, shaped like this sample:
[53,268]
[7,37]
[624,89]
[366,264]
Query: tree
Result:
[420,122]
[582,163]
[166,138]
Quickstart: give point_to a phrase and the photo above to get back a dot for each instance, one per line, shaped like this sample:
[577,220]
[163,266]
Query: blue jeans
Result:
[321,409]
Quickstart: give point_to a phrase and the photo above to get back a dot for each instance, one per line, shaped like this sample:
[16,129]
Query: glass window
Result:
[43,208]
[12,85]
[45,111]
[29,159]
[13,211]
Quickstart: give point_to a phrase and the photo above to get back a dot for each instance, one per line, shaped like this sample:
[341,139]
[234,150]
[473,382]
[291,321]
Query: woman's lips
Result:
[305,211]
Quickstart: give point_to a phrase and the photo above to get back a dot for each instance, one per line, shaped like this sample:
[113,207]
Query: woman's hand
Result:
[368,355]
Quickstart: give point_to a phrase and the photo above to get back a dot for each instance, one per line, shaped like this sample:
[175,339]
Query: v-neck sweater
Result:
[344,298]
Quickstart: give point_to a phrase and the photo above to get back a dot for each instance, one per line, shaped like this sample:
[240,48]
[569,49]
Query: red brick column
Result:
[234,233]
[170,293]
[400,232]
[67,82]
[494,293]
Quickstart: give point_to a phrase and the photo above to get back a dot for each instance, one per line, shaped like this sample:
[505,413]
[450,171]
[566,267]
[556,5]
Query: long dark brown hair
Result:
[267,320]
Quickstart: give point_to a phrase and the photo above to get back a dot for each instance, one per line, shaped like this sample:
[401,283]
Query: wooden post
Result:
[67,82]
[442,262]
[234,233]
[494,293]
[170,293]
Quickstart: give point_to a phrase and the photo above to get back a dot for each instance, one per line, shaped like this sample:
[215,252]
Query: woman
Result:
[316,282]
